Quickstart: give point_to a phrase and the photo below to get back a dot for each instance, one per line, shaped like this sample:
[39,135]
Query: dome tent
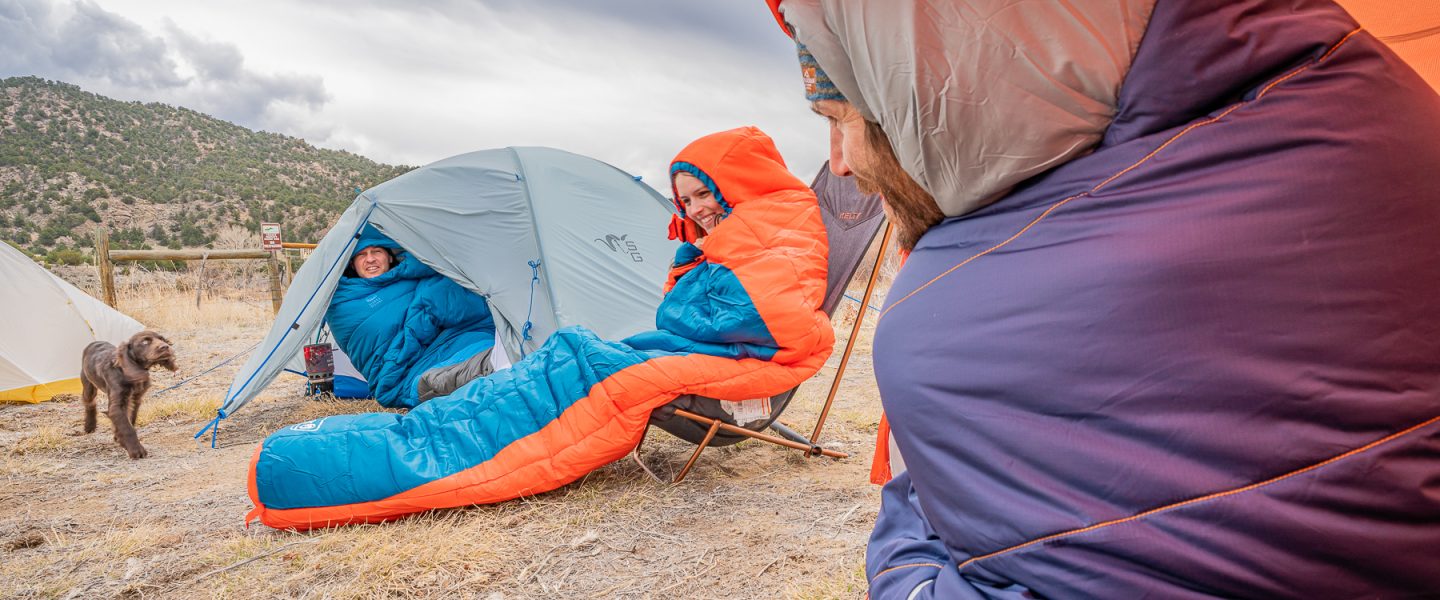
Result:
[50,324]
[549,238]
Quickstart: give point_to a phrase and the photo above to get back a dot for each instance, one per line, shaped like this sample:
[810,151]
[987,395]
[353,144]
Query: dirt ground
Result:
[80,520]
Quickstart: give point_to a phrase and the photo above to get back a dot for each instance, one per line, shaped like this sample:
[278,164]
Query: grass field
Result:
[80,520]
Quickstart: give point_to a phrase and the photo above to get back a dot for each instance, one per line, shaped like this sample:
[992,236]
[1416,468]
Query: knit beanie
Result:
[817,84]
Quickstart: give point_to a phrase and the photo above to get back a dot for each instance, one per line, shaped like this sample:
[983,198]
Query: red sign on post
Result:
[270,236]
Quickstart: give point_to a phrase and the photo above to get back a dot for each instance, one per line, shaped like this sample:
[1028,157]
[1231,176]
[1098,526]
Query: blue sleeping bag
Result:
[404,322]
[740,319]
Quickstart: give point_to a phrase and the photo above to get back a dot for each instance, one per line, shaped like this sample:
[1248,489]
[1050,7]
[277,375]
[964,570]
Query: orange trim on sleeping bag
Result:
[597,430]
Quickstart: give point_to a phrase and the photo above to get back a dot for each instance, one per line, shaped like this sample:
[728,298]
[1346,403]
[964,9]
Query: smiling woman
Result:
[697,201]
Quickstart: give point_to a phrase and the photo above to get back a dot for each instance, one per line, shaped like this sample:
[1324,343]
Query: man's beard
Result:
[907,205]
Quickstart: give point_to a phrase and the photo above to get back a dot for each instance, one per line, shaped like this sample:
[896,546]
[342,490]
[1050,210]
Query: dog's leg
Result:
[135,406]
[124,429]
[87,397]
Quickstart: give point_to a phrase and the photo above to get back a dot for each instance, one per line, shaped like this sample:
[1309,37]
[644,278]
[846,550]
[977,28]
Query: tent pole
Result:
[854,334]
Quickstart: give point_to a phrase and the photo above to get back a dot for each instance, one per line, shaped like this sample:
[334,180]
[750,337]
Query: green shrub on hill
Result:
[67,155]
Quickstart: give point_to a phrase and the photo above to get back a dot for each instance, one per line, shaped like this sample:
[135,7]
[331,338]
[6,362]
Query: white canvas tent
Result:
[46,326]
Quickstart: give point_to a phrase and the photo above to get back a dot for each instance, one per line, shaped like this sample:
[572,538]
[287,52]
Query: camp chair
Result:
[851,221]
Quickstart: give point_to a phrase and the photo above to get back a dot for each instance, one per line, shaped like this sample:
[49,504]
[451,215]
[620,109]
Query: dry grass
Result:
[845,584]
[166,309]
[42,439]
[324,406]
[180,409]
[79,520]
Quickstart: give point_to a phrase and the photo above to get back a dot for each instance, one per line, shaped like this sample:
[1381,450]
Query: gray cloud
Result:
[626,81]
[733,22]
[211,60]
[80,42]
[744,25]
[225,88]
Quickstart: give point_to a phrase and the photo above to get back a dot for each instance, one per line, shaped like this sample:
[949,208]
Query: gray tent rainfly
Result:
[549,238]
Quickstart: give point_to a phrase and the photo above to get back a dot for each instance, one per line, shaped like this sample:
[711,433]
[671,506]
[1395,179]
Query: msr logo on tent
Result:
[618,243]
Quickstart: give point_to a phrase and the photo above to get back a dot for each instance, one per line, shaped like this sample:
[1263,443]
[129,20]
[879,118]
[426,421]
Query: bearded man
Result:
[1168,322]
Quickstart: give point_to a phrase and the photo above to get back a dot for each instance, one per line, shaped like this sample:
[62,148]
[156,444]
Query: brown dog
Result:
[123,373]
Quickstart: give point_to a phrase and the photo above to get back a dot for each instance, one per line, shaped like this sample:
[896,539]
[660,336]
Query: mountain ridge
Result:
[157,175]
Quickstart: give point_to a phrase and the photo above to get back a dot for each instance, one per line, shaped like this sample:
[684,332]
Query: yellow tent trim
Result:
[41,392]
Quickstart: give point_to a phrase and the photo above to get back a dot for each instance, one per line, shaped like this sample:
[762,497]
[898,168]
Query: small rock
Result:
[132,568]
[29,539]
[589,538]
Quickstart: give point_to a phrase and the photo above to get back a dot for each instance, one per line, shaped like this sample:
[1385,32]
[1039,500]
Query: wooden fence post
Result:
[107,268]
[200,280]
[276,296]
[289,270]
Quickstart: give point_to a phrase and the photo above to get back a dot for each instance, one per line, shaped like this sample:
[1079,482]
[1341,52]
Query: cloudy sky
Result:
[626,81]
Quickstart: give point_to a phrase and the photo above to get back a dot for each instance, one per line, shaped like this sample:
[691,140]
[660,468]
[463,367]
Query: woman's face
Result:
[371,262]
[699,202]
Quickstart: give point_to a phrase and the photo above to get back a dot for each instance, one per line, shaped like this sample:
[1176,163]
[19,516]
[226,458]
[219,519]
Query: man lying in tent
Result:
[741,319]
[1167,327]
[397,319]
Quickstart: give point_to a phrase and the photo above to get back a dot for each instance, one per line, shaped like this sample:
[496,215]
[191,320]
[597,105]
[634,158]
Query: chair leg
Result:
[715,426]
[635,455]
[850,343]
[709,435]
[756,435]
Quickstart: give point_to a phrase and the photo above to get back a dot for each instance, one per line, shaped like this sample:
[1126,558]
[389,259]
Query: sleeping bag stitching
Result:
[909,566]
[1207,497]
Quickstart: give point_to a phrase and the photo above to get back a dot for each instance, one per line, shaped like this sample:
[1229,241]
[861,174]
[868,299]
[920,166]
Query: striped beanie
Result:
[817,84]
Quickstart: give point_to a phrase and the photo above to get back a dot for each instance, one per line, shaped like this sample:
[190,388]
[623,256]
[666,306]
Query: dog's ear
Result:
[122,353]
[126,358]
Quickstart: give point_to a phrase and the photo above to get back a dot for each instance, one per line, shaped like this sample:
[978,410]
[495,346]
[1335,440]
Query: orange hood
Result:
[743,163]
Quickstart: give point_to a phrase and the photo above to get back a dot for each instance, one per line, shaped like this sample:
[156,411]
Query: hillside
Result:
[156,175]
